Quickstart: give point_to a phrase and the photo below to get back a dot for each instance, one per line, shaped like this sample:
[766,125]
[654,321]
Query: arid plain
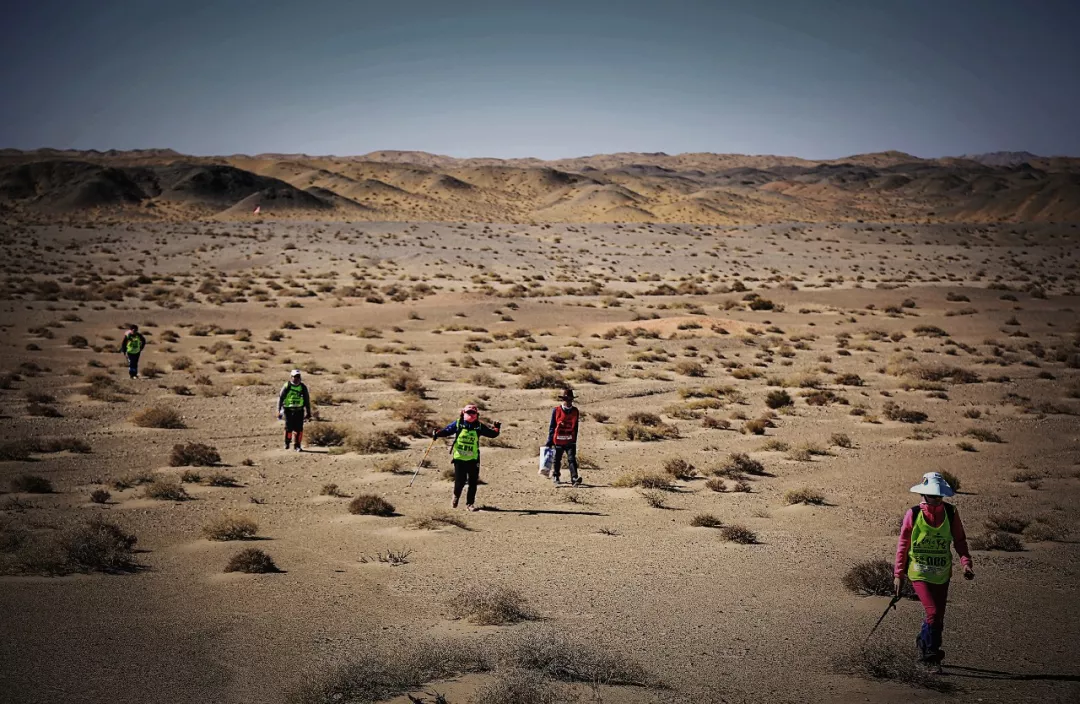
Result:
[759,387]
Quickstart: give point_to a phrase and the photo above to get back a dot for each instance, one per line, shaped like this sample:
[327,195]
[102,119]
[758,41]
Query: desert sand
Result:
[396,325]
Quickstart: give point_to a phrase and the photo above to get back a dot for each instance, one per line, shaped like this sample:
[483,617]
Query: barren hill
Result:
[698,188]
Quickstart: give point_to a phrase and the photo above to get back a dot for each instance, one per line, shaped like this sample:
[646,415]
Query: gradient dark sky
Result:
[811,78]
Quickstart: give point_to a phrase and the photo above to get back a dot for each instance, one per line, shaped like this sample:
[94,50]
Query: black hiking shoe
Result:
[287,443]
[575,481]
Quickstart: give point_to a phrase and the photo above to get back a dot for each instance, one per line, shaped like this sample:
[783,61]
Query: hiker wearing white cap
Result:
[295,404]
[924,554]
[465,451]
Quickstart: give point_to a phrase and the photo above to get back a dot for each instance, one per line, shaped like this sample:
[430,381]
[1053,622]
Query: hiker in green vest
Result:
[132,346]
[295,404]
[924,555]
[465,451]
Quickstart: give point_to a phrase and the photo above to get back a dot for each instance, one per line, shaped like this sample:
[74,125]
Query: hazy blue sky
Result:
[812,78]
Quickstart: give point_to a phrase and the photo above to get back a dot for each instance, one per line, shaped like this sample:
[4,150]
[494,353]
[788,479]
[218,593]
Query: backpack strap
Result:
[950,511]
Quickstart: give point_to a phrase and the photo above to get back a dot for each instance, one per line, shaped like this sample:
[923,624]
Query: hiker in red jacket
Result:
[924,554]
[562,435]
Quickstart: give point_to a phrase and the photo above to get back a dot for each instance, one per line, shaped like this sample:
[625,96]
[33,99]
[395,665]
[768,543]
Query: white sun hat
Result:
[933,484]
[294,372]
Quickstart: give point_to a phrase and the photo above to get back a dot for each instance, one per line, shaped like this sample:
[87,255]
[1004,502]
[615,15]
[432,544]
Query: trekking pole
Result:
[422,461]
[891,606]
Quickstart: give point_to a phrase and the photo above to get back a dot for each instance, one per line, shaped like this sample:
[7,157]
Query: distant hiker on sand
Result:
[132,345]
[295,403]
[562,435]
[465,451]
[924,555]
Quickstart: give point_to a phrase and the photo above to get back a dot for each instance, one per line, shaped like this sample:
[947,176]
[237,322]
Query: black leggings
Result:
[466,471]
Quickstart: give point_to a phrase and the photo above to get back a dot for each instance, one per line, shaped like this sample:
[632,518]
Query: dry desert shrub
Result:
[705,520]
[371,505]
[716,484]
[376,442]
[230,528]
[654,498]
[874,578]
[755,427]
[841,440]
[94,546]
[251,561]
[165,489]
[134,479]
[689,368]
[405,381]
[894,412]
[738,534]
[951,479]
[805,495]
[517,686]
[1045,529]
[1006,522]
[643,427]
[966,446]
[680,468]
[158,417]
[997,540]
[983,435]
[886,662]
[489,605]
[193,454]
[739,464]
[1023,474]
[100,496]
[537,378]
[390,465]
[324,434]
[714,423]
[332,490]
[644,480]
[778,399]
[30,484]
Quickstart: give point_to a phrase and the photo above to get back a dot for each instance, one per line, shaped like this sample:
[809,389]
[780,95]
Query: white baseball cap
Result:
[294,372]
[933,484]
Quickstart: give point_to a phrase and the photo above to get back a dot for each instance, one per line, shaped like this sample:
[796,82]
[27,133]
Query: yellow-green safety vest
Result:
[930,557]
[134,344]
[467,445]
[294,397]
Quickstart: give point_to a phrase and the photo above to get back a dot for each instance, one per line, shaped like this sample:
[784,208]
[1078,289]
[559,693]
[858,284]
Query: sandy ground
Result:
[716,620]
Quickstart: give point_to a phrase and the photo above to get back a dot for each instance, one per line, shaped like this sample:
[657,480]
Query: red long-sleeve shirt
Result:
[935,516]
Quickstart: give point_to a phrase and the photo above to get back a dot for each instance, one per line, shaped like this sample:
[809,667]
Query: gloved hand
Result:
[279,414]
[496,424]
[969,573]
[434,434]
[897,583]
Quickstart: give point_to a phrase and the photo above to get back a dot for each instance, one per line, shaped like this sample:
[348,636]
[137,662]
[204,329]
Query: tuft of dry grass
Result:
[755,427]
[841,440]
[705,520]
[371,505]
[738,534]
[905,415]
[165,489]
[654,498]
[251,561]
[436,519]
[325,434]
[193,454]
[983,435]
[716,484]
[644,480]
[405,381]
[332,490]
[376,442]
[951,479]
[512,685]
[159,417]
[804,495]
[996,540]
[489,605]
[739,464]
[874,578]
[230,528]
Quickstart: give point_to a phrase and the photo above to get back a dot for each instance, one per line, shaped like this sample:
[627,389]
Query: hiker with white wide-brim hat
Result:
[929,533]
[465,451]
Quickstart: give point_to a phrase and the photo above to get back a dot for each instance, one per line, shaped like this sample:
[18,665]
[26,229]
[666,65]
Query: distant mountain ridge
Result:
[700,188]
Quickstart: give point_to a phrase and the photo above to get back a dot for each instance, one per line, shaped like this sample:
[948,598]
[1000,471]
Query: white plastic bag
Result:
[547,460]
